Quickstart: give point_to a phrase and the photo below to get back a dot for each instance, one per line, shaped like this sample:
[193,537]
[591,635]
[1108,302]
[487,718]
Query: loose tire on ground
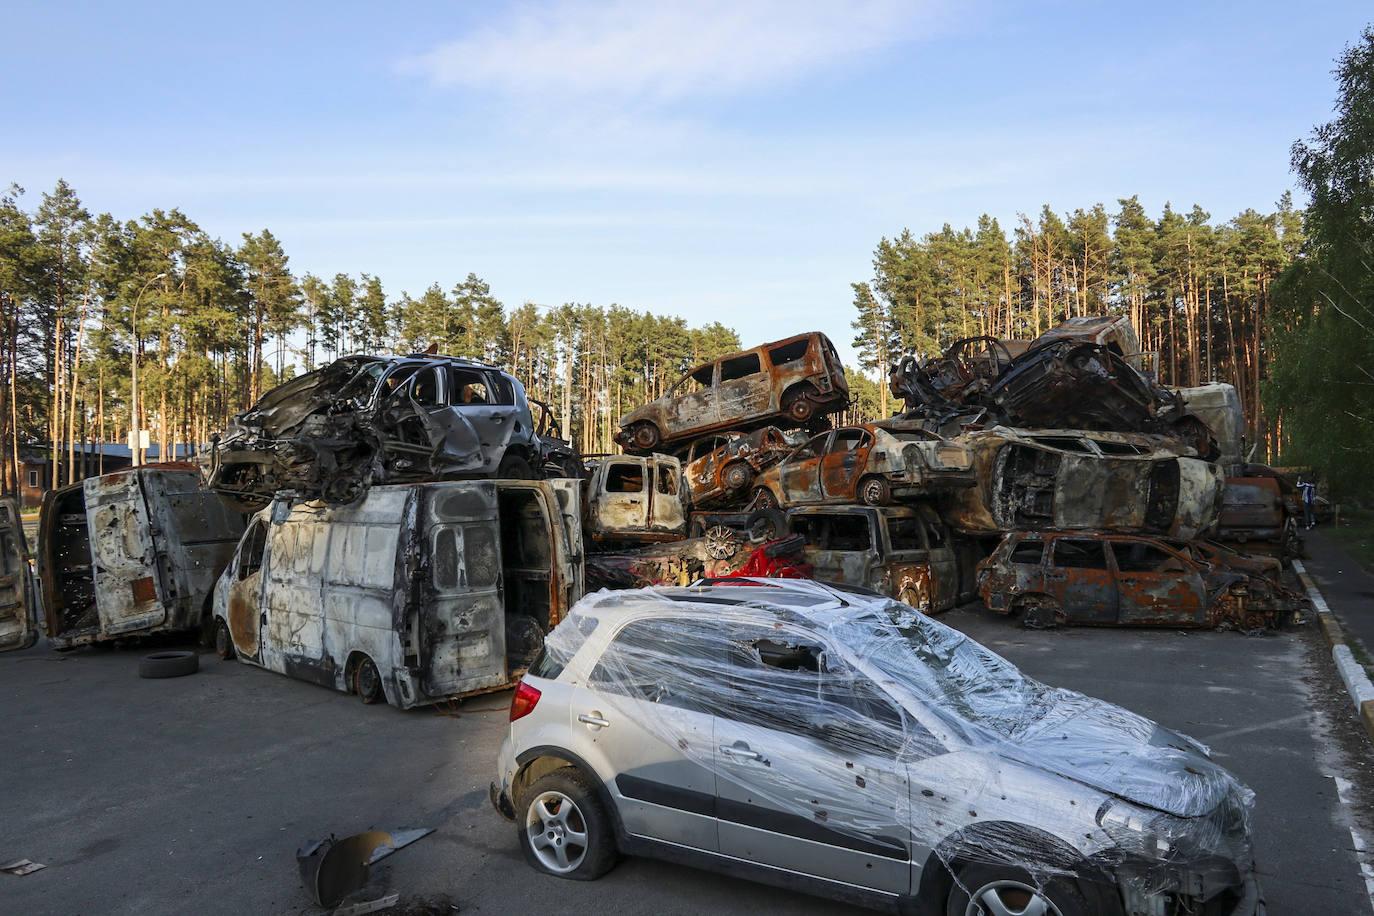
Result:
[563,828]
[168,664]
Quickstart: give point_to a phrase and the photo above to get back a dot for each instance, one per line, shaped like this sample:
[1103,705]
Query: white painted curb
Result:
[1352,672]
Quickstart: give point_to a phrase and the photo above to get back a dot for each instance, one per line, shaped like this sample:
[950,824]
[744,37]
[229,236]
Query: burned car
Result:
[1076,577]
[794,381]
[1061,478]
[905,552]
[717,469]
[1075,376]
[364,420]
[872,463]
[847,746]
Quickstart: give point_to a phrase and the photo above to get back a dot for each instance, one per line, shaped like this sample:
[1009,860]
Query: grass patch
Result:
[1356,534]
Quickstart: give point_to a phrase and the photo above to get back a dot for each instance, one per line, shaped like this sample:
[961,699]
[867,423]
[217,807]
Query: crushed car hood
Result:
[1114,750]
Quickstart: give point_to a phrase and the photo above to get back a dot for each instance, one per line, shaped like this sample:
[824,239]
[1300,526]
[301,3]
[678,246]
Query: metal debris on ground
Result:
[22,867]
[332,869]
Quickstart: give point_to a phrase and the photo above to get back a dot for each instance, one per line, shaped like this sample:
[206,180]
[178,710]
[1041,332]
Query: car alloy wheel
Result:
[557,832]
[1009,898]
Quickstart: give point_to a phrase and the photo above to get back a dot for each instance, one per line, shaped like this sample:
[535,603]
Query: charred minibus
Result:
[413,594]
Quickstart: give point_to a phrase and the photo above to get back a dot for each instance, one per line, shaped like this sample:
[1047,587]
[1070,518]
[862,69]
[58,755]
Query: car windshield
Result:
[955,675]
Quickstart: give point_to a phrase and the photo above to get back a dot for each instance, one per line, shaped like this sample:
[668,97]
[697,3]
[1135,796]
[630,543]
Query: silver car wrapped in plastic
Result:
[848,745]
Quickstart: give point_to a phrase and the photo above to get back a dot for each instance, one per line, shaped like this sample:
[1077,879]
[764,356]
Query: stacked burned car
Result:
[364,420]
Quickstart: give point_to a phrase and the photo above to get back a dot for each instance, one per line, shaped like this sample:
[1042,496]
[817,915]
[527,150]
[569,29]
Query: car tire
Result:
[168,664]
[646,436]
[766,525]
[367,683]
[764,499]
[513,467]
[736,476]
[563,828]
[799,408]
[1039,612]
[874,491]
[224,643]
[1005,890]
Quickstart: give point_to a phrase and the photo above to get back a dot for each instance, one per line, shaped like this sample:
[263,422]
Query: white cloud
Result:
[630,49]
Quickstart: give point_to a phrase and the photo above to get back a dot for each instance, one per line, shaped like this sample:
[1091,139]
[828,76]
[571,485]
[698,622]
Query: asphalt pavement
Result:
[1347,588]
[192,794]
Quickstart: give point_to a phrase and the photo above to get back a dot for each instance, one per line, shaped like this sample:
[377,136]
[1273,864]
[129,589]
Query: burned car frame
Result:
[1095,579]
[364,420]
[870,463]
[793,381]
[1062,478]
[717,469]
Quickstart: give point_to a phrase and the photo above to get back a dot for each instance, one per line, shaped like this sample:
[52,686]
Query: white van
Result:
[415,593]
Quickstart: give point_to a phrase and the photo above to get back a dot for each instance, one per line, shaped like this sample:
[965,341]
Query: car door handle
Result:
[742,753]
[592,719]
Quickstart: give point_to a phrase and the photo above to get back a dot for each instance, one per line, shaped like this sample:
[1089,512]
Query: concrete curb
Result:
[1356,679]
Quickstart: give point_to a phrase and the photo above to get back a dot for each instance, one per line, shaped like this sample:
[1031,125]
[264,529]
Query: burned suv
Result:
[363,420]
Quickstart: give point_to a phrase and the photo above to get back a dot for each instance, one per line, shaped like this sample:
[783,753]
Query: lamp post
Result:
[135,432]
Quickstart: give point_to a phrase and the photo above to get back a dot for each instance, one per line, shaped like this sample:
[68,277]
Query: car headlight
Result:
[1151,834]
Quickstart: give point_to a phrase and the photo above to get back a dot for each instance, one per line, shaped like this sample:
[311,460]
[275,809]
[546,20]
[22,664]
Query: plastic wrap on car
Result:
[973,755]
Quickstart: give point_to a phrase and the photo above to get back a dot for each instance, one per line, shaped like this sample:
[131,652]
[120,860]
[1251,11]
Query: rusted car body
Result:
[906,552]
[787,382]
[1075,376]
[363,420]
[1258,512]
[634,498]
[871,463]
[130,553]
[412,594]
[18,592]
[1062,478]
[718,469]
[1095,579]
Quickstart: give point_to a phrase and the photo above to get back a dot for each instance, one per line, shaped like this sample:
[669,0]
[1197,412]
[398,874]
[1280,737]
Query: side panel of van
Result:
[194,534]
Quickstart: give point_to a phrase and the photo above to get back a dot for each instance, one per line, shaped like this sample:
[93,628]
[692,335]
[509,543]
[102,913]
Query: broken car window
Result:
[739,367]
[846,440]
[789,353]
[1137,556]
[469,387]
[634,663]
[250,560]
[625,477]
[811,449]
[905,533]
[665,480]
[1079,554]
[1029,551]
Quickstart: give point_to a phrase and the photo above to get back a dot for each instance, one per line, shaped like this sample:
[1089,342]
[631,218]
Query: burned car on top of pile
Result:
[1060,478]
[871,463]
[795,381]
[363,420]
[1095,579]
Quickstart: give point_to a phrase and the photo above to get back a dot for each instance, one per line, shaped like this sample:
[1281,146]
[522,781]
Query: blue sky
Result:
[731,161]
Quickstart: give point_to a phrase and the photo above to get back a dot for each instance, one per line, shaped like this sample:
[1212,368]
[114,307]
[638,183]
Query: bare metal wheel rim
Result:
[873,492]
[557,832]
[1009,898]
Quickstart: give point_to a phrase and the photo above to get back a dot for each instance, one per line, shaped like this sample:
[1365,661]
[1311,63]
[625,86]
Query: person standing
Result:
[1308,489]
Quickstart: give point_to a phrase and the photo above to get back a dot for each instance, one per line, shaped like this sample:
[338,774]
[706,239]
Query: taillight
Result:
[522,704]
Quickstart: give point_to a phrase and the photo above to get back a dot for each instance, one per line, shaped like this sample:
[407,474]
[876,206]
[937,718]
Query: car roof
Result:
[772,601]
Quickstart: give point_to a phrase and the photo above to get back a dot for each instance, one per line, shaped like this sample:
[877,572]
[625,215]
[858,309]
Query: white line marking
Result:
[1343,787]
[1220,736]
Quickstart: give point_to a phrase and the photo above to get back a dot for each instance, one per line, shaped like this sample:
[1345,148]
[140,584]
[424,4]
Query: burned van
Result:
[635,499]
[412,594]
[130,553]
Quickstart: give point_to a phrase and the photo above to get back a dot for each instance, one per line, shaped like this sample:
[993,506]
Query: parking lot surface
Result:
[192,794]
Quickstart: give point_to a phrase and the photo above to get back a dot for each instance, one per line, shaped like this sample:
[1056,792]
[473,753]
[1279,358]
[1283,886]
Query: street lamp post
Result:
[135,430]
